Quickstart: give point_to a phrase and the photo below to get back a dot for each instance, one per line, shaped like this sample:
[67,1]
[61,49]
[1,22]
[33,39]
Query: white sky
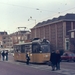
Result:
[15,13]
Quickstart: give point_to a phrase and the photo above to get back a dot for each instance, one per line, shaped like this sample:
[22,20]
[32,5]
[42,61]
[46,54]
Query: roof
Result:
[24,43]
[19,32]
[67,17]
[2,33]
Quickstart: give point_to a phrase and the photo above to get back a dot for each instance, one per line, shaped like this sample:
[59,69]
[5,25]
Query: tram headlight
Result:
[30,54]
[46,56]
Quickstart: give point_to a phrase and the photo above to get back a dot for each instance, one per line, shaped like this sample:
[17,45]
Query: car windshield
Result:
[65,54]
[72,54]
[68,54]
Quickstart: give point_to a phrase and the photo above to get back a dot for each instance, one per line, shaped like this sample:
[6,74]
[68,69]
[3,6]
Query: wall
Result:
[56,33]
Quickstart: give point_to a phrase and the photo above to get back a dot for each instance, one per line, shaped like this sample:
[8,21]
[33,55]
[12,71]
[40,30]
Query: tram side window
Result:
[17,49]
[35,48]
[28,48]
[23,49]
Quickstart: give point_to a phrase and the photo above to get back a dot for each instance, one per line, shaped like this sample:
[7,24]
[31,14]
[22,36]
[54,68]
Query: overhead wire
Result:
[25,7]
[54,14]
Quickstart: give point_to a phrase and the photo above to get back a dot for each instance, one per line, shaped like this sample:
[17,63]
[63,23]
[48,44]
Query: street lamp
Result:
[32,19]
[35,23]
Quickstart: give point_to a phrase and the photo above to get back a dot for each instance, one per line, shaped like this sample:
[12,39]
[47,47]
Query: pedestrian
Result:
[53,60]
[58,59]
[3,55]
[27,58]
[6,54]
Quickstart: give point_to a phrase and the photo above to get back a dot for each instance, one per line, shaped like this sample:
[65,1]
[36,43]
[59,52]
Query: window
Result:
[4,42]
[28,48]
[65,54]
[36,48]
[17,48]
[4,37]
[67,46]
[23,49]
[72,34]
[18,37]
[45,48]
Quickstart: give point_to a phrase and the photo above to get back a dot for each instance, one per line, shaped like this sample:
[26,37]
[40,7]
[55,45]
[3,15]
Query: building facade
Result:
[20,36]
[5,41]
[72,39]
[56,31]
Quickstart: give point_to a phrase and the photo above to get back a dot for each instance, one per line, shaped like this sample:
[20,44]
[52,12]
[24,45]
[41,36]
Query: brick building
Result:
[5,41]
[56,31]
[20,36]
[8,40]
[72,39]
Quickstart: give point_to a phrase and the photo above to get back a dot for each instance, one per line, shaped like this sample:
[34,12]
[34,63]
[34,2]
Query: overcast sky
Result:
[15,13]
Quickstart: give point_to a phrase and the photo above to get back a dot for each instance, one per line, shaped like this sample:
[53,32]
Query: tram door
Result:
[28,50]
[35,52]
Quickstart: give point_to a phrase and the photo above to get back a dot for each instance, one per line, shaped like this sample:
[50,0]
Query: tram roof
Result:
[24,43]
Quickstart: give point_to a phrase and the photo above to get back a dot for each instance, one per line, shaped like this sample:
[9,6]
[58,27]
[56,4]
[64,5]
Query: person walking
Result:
[58,59]
[6,54]
[3,55]
[27,58]
[53,60]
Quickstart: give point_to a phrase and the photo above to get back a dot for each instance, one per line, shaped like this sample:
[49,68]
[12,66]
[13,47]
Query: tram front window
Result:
[45,48]
[35,48]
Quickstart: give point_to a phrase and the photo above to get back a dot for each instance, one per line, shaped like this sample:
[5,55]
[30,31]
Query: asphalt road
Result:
[7,68]
[11,67]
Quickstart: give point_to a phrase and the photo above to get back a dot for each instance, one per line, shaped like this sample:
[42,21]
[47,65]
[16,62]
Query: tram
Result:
[39,51]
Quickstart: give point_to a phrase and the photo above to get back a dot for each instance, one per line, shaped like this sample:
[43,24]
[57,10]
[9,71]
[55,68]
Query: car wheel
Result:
[68,60]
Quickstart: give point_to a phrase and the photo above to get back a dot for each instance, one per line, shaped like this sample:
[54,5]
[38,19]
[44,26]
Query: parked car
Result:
[68,56]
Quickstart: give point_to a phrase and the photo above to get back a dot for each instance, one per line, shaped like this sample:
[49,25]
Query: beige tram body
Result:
[35,57]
